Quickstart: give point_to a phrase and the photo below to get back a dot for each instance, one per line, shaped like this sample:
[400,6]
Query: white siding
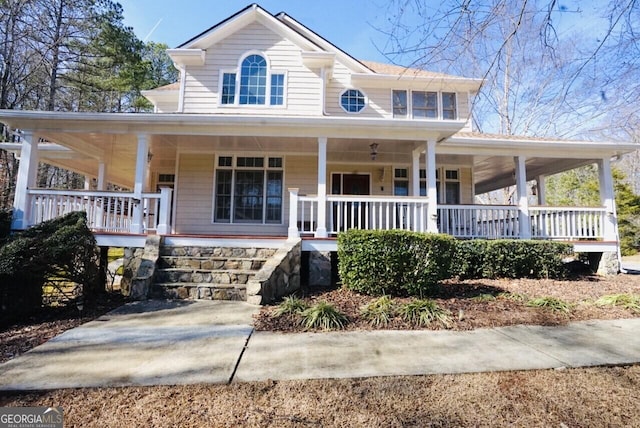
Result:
[303,86]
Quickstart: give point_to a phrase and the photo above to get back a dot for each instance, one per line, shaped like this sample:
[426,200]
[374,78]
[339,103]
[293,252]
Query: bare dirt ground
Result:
[593,397]
[481,303]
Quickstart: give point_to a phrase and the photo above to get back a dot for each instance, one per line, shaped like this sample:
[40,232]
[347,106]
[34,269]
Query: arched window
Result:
[253,83]
[253,80]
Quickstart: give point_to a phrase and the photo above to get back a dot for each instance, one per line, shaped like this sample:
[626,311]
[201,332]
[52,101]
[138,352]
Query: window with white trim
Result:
[424,104]
[353,101]
[248,190]
[254,83]
[451,185]
[401,182]
[449,106]
[399,98]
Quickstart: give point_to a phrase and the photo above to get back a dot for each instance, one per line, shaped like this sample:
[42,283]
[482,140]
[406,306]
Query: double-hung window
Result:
[425,104]
[248,190]
[399,98]
[253,84]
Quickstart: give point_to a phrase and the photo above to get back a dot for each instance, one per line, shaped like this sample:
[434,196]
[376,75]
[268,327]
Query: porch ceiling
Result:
[496,172]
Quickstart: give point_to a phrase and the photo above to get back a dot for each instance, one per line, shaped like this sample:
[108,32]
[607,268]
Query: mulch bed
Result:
[469,311]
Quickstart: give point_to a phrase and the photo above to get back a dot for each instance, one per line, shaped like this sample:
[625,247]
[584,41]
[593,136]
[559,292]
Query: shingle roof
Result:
[382,68]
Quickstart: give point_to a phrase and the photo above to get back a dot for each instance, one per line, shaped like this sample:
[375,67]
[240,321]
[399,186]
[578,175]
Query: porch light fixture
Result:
[149,157]
[374,150]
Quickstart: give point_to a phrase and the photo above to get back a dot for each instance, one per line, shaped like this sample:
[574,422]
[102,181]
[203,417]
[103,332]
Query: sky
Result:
[349,24]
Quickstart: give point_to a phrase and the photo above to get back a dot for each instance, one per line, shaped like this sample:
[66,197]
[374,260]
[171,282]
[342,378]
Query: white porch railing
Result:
[462,221]
[106,211]
[570,223]
[479,221]
[362,212]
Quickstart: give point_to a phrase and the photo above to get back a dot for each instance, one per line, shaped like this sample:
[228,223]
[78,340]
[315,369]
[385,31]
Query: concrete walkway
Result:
[166,343]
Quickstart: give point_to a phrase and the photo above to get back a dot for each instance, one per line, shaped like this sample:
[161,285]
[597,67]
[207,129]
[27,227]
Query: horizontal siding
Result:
[303,86]
[194,193]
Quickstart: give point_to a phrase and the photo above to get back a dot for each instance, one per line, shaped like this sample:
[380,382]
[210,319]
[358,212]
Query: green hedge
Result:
[5,225]
[393,262]
[511,258]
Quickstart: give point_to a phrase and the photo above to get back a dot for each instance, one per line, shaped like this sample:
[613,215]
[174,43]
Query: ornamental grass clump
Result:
[379,312]
[323,316]
[423,312]
[291,305]
[626,301]
[551,303]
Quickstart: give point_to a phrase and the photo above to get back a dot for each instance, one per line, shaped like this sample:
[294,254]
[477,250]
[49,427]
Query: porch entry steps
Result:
[210,273]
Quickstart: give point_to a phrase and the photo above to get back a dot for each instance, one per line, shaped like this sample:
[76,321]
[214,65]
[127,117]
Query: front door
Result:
[349,214]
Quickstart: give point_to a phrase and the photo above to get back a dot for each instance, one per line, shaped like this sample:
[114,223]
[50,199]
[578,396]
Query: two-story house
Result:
[273,133]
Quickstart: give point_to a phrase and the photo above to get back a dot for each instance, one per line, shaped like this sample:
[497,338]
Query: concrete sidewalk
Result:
[142,343]
[183,342]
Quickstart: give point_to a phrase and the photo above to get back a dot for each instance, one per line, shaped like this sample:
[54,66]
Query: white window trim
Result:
[408,95]
[234,168]
[238,70]
[366,101]
[410,115]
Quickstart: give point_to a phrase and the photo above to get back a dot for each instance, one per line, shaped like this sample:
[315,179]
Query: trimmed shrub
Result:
[394,262]
[511,258]
[470,259]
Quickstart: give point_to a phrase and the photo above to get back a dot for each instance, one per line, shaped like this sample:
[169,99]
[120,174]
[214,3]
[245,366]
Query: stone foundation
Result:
[280,276]
[139,268]
[609,264]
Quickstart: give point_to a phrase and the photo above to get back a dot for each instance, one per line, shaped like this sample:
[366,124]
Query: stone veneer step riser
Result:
[164,276]
[210,264]
[207,273]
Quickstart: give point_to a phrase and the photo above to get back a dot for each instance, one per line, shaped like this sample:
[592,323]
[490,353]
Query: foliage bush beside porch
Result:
[57,251]
[394,262]
[510,258]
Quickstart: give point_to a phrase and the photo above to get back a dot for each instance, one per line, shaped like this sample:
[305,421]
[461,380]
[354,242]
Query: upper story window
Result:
[353,101]
[255,84]
[399,103]
[449,106]
[253,80]
[424,104]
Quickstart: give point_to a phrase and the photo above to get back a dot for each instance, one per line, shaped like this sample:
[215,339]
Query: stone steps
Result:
[210,273]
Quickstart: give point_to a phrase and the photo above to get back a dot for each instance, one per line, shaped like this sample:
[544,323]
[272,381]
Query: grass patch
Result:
[514,297]
[324,316]
[423,312]
[379,312]
[626,301]
[551,303]
[290,305]
[484,297]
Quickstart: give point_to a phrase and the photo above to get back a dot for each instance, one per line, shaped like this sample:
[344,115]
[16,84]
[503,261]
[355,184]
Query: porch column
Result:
[102,176]
[415,172]
[541,186]
[164,226]
[321,230]
[137,225]
[607,199]
[27,175]
[524,221]
[432,191]
[293,232]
